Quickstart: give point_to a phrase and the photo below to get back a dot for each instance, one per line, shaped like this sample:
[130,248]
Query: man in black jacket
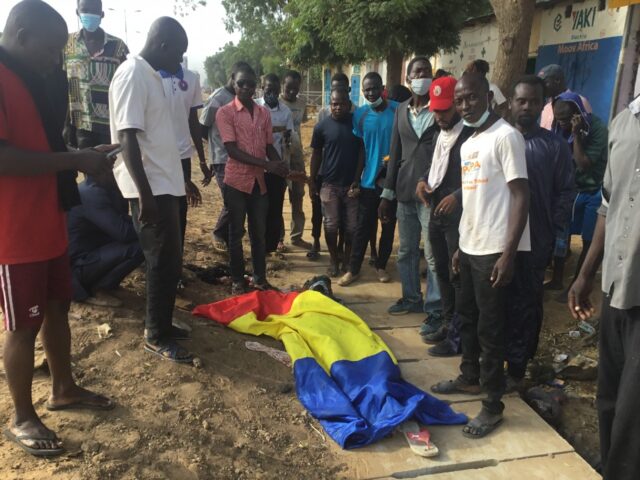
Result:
[441,188]
[411,151]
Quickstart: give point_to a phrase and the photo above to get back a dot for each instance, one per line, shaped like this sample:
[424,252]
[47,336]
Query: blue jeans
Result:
[413,222]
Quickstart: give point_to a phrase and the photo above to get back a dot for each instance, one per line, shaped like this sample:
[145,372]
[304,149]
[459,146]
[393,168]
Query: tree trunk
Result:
[395,59]
[515,19]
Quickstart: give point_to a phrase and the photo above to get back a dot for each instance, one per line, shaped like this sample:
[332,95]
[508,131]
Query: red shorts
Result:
[25,289]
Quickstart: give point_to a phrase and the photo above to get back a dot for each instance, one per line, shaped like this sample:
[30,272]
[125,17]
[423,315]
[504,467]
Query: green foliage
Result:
[356,30]
[306,33]
[184,7]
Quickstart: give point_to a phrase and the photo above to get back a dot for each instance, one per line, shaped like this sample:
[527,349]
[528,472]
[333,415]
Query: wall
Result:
[587,42]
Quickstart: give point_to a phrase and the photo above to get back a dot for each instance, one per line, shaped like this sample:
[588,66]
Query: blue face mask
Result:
[480,122]
[90,22]
[375,104]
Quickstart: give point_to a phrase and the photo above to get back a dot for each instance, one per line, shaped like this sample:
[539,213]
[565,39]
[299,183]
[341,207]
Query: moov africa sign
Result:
[586,42]
[580,21]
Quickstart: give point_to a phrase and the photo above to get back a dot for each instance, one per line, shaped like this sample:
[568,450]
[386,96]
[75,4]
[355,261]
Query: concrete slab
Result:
[566,466]
[522,435]
[386,322]
[405,343]
[375,314]
[425,373]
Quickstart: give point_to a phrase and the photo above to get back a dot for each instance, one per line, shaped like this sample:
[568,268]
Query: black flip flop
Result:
[484,429]
[83,405]
[169,351]
[36,452]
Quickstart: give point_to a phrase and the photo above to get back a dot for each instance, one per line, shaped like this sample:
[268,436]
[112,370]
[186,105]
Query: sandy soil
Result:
[237,417]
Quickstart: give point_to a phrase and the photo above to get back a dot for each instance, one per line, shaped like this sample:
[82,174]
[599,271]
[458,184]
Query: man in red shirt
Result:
[35,275]
[245,128]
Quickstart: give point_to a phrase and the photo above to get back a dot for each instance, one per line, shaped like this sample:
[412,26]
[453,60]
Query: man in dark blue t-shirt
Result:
[336,153]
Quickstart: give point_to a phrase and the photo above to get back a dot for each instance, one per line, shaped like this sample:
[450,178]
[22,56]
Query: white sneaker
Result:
[383,276]
[348,278]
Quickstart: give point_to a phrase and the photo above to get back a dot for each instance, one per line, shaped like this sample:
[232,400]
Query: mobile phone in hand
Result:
[114,153]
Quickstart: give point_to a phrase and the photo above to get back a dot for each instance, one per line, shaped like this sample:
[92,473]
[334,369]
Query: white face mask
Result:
[420,86]
[480,121]
[375,104]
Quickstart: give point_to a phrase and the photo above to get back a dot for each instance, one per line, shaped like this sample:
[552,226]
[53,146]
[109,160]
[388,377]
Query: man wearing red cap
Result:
[441,187]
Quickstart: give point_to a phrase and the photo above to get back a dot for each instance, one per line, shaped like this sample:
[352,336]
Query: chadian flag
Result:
[345,375]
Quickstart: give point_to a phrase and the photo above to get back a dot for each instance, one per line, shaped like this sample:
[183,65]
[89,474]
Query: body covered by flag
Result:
[345,374]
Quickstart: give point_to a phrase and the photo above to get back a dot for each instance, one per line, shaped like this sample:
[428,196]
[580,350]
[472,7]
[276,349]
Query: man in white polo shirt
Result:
[182,88]
[494,227]
[150,175]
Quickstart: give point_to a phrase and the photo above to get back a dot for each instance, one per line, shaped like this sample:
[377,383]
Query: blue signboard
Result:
[590,67]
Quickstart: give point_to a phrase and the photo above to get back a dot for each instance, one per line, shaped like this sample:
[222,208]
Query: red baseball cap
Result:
[441,93]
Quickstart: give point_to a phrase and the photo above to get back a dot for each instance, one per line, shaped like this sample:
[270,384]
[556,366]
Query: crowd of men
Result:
[491,188]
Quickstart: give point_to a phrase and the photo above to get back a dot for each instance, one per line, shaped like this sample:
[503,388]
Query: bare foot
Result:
[79,398]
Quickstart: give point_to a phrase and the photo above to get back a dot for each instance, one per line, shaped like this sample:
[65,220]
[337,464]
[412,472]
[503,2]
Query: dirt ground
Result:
[236,417]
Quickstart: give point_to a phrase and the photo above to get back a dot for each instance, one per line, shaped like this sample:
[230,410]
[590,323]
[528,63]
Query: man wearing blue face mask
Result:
[412,144]
[91,58]
[373,123]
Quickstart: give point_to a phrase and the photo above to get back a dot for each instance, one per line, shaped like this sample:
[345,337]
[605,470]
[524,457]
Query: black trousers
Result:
[618,392]
[482,311]
[316,209]
[368,203]
[162,247]
[387,235]
[104,268]
[524,312]
[444,238]
[276,188]
[241,206]
[221,230]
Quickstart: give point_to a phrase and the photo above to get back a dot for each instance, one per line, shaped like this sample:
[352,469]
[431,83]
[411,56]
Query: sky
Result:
[205,26]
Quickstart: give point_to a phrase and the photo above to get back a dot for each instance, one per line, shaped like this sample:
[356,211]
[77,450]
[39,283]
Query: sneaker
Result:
[299,242]
[383,276]
[442,349]
[402,307]
[431,324]
[348,278]
[436,337]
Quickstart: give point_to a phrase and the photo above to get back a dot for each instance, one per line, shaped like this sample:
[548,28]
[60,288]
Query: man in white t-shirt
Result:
[182,88]
[149,175]
[494,227]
